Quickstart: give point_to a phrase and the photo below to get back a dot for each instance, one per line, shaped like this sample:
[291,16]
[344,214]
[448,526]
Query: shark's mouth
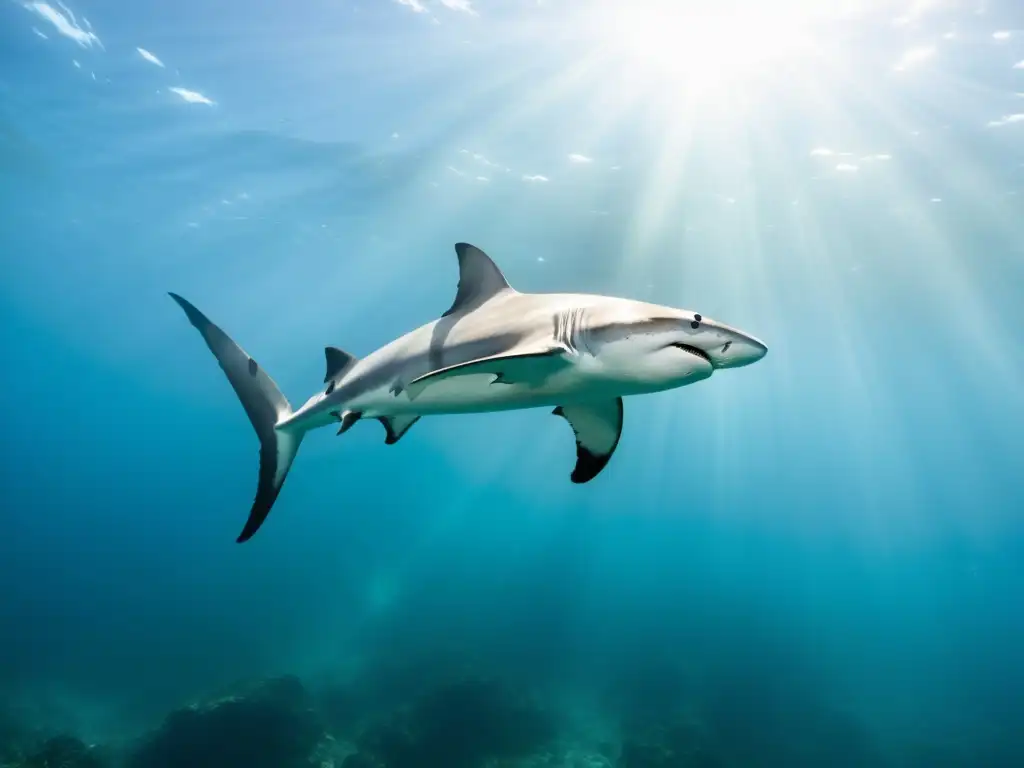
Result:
[696,352]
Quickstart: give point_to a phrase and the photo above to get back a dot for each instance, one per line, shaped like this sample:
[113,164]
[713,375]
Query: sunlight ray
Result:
[953,278]
[541,95]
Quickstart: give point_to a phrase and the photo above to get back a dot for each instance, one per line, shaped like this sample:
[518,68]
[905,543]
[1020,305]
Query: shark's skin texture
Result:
[495,349]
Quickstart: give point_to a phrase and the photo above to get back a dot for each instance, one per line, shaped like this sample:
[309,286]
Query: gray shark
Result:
[494,349]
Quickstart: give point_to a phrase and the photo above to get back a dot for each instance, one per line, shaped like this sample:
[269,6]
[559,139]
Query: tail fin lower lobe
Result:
[265,406]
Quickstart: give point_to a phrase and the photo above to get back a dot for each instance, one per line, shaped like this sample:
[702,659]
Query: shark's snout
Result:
[738,351]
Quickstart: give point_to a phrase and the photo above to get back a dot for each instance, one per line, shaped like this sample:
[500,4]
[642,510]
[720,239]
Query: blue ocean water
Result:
[815,560]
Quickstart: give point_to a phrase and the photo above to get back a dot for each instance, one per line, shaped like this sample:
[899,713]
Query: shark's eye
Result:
[330,388]
[695,323]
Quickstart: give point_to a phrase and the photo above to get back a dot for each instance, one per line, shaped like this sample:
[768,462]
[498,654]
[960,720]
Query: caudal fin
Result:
[266,407]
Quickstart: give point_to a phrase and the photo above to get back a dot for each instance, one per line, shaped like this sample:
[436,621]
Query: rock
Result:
[585,759]
[681,742]
[64,752]
[461,725]
[390,743]
[269,724]
[637,755]
[330,753]
[360,760]
[341,707]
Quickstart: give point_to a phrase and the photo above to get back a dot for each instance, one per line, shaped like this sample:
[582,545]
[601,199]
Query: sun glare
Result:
[703,47]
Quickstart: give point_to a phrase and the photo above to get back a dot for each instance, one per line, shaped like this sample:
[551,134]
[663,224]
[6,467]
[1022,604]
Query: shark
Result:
[494,349]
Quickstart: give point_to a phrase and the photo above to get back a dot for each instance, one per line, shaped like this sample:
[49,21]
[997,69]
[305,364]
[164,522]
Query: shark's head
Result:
[723,345]
[661,347]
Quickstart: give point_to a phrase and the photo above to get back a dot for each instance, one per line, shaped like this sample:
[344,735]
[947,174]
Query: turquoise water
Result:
[816,559]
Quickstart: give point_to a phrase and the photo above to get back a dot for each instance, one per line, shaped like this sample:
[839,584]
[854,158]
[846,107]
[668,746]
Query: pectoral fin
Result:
[598,427]
[531,368]
[396,426]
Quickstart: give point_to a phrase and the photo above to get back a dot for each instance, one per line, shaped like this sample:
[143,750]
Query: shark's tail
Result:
[266,407]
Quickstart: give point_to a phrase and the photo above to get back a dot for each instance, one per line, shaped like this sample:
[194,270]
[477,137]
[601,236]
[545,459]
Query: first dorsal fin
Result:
[479,279]
[338,361]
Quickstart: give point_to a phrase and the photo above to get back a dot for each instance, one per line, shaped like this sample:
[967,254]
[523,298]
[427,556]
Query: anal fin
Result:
[397,426]
[598,427]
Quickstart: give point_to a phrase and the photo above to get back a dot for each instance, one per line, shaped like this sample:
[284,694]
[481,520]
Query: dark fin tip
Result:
[348,420]
[390,438]
[588,465]
[247,532]
[197,318]
[256,518]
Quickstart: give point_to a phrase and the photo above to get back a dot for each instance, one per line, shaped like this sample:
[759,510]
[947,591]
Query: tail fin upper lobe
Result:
[266,407]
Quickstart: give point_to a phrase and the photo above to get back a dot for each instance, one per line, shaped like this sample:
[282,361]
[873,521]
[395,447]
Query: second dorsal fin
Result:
[479,279]
[338,361]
